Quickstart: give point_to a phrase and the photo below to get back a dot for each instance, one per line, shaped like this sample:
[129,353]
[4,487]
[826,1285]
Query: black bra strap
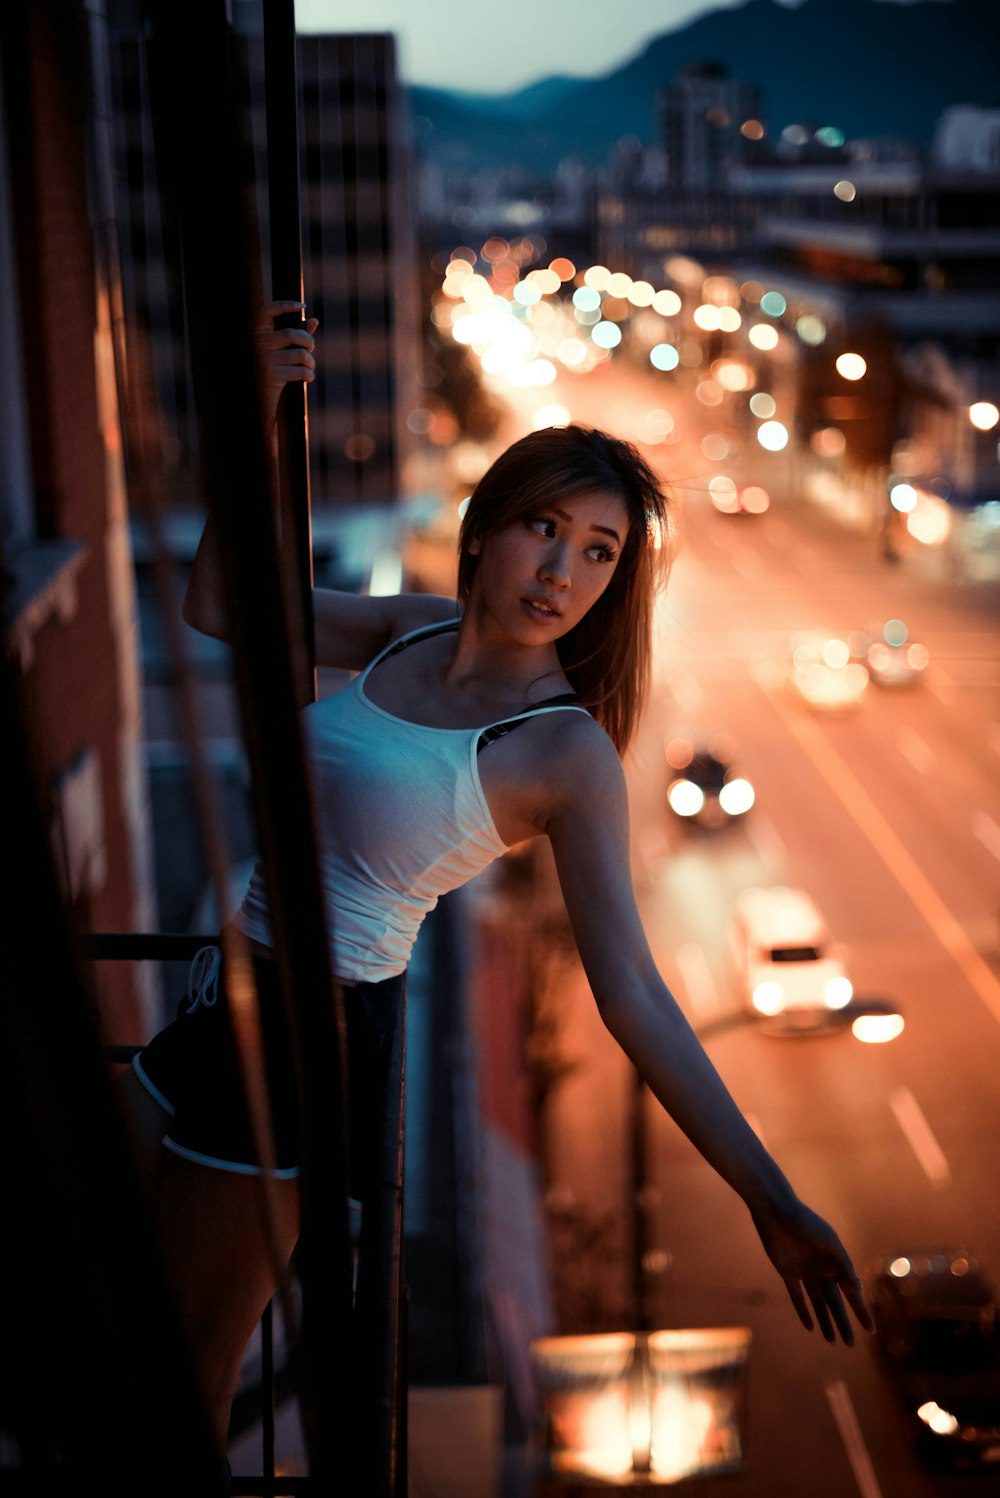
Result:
[497,731]
[414,637]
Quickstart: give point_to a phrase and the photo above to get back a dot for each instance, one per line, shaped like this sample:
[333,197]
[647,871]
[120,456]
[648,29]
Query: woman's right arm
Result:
[349,628]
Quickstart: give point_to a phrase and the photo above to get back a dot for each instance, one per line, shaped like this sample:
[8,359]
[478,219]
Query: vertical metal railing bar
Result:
[235,461]
[383,1324]
[381,1318]
[288,283]
[146,490]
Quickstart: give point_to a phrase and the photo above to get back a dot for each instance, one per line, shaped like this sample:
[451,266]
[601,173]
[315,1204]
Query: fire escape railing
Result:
[348,1343]
[374,1460]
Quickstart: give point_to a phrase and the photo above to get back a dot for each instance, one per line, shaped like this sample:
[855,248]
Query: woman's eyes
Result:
[545,525]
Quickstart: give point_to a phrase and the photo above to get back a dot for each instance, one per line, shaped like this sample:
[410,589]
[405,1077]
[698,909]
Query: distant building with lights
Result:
[358,251]
[709,123]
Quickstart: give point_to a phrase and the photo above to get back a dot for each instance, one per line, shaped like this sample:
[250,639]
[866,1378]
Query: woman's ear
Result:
[474,547]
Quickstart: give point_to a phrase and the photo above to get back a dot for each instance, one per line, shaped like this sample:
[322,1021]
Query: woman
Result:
[421,781]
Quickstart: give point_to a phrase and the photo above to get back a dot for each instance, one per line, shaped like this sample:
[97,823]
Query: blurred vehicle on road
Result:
[937,1327]
[706,789]
[791,972]
[823,674]
[888,654]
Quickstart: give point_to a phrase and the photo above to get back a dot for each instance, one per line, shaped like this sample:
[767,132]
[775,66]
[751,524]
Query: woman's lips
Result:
[540,609]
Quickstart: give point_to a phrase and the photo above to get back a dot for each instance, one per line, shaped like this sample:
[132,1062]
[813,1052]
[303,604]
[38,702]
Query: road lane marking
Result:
[687,692]
[987,832]
[945,690]
[746,562]
[910,1117]
[890,848]
[854,1442]
[763,837]
[912,747]
[696,975]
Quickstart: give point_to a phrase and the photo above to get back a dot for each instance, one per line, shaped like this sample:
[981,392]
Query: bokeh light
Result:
[715,447]
[845,191]
[829,442]
[641,294]
[851,366]
[655,426]
[607,335]
[763,336]
[811,329]
[772,436]
[763,405]
[619,284]
[597,276]
[667,303]
[773,303]
[876,1029]
[984,415]
[664,356]
[551,416]
[587,298]
[709,392]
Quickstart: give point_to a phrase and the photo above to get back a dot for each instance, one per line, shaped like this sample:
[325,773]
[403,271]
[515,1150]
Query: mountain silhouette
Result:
[869,67]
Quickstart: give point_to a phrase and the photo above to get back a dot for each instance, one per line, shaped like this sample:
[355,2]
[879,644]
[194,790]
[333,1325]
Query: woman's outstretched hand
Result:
[816,1269]
[285,354]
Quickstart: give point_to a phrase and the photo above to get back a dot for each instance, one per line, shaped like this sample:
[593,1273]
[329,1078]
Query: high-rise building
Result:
[709,122]
[358,253]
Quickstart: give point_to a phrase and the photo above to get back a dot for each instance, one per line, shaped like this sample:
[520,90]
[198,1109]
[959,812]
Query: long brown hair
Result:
[606,656]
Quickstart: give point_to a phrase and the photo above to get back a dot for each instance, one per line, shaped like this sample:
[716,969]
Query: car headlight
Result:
[940,1421]
[686,798]
[838,992]
[768,998]
[736,797]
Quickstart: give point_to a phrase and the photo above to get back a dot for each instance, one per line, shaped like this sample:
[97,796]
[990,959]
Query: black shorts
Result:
[192,1070]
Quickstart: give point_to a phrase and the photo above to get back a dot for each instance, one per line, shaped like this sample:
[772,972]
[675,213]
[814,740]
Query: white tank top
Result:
[402,820]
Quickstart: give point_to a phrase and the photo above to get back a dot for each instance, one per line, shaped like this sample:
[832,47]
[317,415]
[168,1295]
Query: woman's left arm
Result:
[588,830]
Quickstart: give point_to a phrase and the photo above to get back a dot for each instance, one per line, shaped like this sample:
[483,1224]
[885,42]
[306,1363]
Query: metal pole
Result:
[381,1300]
[288,284]
[200,139]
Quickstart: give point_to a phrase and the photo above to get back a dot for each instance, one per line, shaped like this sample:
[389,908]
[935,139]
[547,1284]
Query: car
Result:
[792,973]
[823,674]
[705,788]
[937,1330]
[888,654]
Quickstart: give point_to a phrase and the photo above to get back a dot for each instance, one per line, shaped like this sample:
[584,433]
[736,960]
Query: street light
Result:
[642,1408]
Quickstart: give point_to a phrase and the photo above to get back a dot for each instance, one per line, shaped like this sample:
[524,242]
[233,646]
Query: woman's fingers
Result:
[798,1300]
[271,310]
[279,338]
[831,1301]
[851,1286]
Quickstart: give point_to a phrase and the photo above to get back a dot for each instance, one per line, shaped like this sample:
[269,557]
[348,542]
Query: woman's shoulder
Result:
[577,757]
[414,611]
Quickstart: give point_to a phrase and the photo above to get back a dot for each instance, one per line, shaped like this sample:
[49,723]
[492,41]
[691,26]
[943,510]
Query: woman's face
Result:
[538,576]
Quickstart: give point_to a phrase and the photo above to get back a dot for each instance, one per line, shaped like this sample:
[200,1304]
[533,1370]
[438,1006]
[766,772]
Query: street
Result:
[889,817]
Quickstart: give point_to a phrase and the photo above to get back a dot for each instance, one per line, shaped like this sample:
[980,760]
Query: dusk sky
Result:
[494,49]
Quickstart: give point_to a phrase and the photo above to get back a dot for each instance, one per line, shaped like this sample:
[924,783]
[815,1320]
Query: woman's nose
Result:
[555,566]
